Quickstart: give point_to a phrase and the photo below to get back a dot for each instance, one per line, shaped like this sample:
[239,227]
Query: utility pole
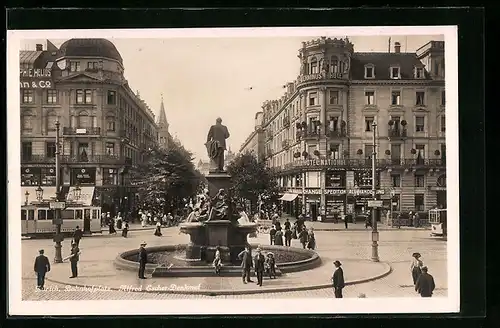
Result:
[375,257]
[58,238]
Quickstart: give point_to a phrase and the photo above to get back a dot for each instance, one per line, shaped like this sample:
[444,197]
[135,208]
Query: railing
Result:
[68,159]
[34,159]
[336,133]
[286,122]
[81,131]
[397,133]
[285,144]
[310,134]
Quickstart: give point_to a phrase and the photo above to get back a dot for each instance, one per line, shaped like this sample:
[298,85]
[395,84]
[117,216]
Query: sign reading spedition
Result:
[35,78]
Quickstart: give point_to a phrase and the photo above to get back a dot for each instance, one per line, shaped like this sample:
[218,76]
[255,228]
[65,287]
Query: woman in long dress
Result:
[416,267]
[311,240]
[158,229]
[217,263]
[125,230]
[278,237]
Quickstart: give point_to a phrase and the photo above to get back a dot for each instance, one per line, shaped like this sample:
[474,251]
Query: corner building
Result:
[319,135]
[104,125]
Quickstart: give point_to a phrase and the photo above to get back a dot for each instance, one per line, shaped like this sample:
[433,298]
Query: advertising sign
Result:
[36,78]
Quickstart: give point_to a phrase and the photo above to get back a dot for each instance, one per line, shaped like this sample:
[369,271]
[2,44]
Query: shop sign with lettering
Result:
[36,78]
[320,76]
[351,192]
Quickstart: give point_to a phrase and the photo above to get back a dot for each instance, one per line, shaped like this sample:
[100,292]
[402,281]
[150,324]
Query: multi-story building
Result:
[319,135]
[104,125]
[164,137]
[255,142]
[204,165]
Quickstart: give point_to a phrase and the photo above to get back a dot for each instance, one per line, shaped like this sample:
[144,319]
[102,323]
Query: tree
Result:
[166,177]
[251,178]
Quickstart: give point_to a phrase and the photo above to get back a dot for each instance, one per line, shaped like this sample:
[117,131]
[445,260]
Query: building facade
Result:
[255,142]
[104,125]
[319,135]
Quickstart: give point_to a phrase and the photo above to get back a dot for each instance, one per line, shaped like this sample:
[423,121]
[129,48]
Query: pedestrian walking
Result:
[119,221]
[278,238]
[143,259]
[77,235]
[416,267]
[425,284]
[288,237]
[338,280]
[416,220]
[158,229]
[73,259]
[270,265]
[311,240]
[246,264]
[346,221]
[41,267]
[217,263]
[287,224]
[259,263]
[303,237]
[272,234]
[112,229]
[125,230]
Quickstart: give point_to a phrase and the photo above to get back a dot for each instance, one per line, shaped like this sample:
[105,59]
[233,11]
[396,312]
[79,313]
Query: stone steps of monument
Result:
[226,271]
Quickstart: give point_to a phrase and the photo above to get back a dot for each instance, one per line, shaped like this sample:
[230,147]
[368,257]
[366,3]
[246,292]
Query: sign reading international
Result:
[36,78]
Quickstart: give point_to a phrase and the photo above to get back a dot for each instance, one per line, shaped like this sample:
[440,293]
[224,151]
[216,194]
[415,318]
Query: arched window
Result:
[441,181]
[84,120]
[334,64]
[314,66]
[110,123]
[51,121]
[27,121]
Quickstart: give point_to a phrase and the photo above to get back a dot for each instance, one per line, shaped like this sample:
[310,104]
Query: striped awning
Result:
[289,197]
[49,193]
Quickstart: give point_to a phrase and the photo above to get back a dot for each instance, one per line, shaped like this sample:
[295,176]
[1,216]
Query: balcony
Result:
[94,131]
[37,159]
[285,144]
[397,133]
[286,122]
[269,153]
[336,134]
[306,135]
[97,159]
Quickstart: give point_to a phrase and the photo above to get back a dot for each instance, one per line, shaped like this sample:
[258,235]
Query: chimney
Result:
[397,47]
[39,47]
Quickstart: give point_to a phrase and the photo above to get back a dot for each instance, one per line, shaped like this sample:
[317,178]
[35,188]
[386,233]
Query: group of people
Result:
[260,263]
[115,222]
[297,231]
[422,280]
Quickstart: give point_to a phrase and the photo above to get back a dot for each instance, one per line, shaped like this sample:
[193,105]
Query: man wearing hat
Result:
[143,259]
[74,258]
[338,280]
[246,264]
[42,266]
[425,283]
[259,265]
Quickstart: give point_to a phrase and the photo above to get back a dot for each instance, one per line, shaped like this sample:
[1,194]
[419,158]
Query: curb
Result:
[369,230]
[167,290]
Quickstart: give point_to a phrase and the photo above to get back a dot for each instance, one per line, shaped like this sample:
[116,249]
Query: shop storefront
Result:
[83,176]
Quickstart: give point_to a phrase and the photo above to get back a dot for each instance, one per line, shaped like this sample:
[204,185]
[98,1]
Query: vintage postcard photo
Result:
[233,171]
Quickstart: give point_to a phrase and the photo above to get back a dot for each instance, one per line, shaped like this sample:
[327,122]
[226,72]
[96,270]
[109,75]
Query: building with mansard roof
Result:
[104,125]
[319,134]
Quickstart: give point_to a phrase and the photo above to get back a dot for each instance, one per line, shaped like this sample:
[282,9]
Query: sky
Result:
[205,78]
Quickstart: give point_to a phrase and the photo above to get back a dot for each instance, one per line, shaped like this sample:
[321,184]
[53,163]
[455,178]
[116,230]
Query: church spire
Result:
[163,117]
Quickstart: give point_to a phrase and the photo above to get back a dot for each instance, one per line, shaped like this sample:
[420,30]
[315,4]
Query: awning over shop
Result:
[289,197]
[49,193]
[86,195]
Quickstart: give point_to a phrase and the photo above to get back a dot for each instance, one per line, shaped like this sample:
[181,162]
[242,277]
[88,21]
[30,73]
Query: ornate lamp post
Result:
[393,193]
[27,195]
[375,256]
[39,193]
[77,192]
[58,238]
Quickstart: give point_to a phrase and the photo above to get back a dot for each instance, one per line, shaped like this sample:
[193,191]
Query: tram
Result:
[437,220]
[37,220]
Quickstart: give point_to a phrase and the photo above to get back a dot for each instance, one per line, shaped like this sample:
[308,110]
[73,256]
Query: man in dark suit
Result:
[73,259]
[216,144]
[246,264]
[259,263]
[77,235]
[143,259]
[338,280]
[425,283]
[42,266]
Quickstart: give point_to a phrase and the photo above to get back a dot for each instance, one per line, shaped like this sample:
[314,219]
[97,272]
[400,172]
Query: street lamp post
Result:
[39,193]
[26,195]
[393,193]
[58,238]
[375,256]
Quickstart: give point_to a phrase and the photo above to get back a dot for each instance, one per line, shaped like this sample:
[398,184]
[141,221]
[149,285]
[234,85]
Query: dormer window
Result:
[74,66]
[419,73]
[369,72]
[395,73]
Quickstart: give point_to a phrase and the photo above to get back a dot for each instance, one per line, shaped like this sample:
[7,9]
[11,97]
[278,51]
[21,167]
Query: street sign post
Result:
[374,203]
[57,205]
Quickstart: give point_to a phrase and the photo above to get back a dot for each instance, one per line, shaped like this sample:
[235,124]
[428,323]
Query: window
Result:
[26,150]
[369,72]
[443,98]
[84,120]
[51,121]
[84,96]
[370,97]
[335,179]
[92,65]
[88,96]
[313,124]
[314,66]
[419,180]
[83,150]
[111,97]
[109,176]
[395,73]
[74,66]
[420,98]
[419,73]
[110,148]
[50,149]
[110,123]
[334,123]
[27,96]
[368,123]
[312,98]
[419,202]
[419,123]
[396,180]
[335,65]
[443,123]
[334,151]
[334,97]
[420,152]
[396,98]
[51,96]
[79,97]
[26,123]
[368,151]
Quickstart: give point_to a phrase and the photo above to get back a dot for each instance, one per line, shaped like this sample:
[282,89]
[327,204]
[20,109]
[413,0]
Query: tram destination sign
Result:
[375,203]
[57,205]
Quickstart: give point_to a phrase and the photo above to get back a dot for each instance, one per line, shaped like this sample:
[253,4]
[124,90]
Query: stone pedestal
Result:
[216,181]
[217,233]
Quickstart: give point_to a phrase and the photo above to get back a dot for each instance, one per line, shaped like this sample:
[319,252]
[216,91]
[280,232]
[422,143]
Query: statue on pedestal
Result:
[216,145]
